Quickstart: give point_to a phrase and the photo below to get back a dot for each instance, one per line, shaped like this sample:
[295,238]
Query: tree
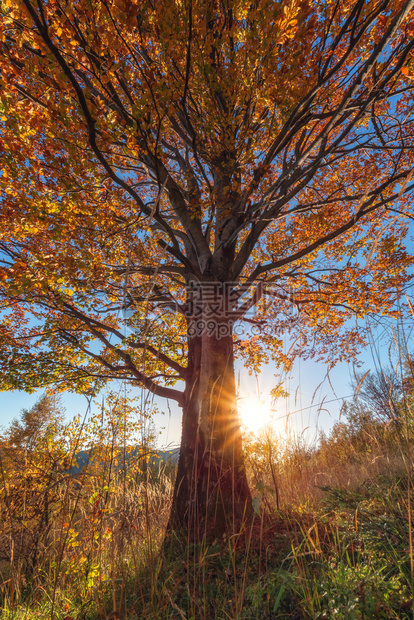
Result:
[34,458]
[25,432]
[172,169]
[382,393]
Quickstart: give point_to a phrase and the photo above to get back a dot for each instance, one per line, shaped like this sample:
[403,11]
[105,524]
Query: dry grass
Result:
[333,538]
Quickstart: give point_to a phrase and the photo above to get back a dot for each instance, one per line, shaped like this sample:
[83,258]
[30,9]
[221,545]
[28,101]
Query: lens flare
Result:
[254,413]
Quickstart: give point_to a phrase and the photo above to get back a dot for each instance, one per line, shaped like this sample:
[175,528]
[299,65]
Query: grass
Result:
[332,540]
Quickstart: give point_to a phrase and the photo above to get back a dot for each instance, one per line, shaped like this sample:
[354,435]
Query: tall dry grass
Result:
[331,537]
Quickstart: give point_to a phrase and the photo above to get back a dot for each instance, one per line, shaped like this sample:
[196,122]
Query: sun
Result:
[254,413]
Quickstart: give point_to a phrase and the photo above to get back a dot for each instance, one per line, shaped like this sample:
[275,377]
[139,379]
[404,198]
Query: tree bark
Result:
[211,494]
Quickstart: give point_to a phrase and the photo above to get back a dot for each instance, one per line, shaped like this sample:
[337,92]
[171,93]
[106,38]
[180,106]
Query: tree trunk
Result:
[211,494]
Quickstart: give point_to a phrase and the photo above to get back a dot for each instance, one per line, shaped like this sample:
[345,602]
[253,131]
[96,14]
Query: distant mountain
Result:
[84,457]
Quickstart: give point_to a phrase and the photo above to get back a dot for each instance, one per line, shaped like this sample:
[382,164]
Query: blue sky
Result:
[314,400]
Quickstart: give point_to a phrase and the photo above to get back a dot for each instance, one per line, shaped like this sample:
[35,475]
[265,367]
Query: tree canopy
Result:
[44,417]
